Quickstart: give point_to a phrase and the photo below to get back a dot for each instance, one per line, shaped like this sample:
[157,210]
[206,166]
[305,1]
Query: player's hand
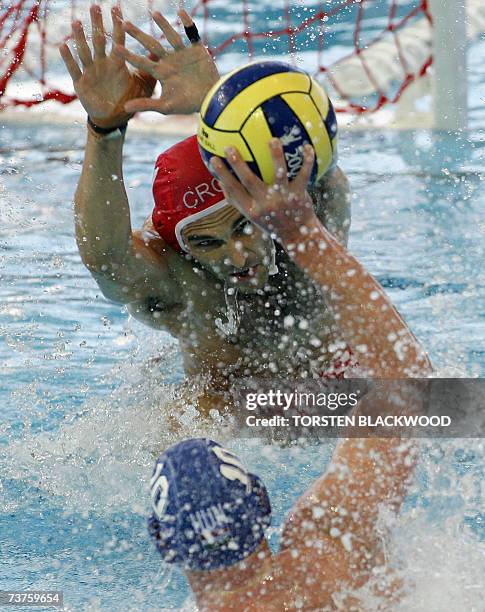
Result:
[103,83]
[283,209]
[185,73]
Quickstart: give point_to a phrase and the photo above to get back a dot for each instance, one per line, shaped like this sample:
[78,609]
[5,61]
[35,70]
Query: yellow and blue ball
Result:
[252,104]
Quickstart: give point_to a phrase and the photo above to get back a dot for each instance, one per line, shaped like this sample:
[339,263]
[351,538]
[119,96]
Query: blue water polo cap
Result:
[208,511]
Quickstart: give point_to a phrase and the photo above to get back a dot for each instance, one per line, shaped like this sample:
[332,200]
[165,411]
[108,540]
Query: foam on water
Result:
[97,464]
[99,458]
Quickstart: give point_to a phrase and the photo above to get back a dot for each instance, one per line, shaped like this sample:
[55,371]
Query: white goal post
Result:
[455,24]
[450,95]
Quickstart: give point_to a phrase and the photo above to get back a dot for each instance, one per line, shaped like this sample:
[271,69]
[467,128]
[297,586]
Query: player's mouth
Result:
[245,273]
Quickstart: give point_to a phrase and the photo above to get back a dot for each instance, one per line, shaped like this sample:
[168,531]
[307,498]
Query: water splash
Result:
[99,459]
[231,326]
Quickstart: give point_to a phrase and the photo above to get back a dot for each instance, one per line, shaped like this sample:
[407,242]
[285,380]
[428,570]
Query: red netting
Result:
[320,36]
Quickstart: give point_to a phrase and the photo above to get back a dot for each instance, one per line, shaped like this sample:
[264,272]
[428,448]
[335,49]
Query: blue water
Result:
[67,352]
[83,405]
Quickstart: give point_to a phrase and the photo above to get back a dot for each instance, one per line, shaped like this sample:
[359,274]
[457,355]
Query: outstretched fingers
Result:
[233,189]
[139,105]
[190,28]
[303,177]
[82,46]
[185,18]
[251,182]
[99,35]
[138,61]
[279,162]
[171,35]
[118,31]
[70,62]
[151,44]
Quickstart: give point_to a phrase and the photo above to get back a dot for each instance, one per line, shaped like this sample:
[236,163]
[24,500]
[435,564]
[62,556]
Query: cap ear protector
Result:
[208,511]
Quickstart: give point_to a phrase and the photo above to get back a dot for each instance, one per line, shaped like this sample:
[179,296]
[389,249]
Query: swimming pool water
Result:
[83,403]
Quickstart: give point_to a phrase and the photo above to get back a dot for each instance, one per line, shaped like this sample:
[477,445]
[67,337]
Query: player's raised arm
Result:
[367,320]
[122,264]
[185,73]
[333,531]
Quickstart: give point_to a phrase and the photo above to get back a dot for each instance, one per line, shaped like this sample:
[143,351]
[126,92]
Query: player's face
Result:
[232,248]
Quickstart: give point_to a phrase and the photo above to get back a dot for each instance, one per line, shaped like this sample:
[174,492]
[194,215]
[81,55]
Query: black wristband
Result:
[192,33]
[105,131]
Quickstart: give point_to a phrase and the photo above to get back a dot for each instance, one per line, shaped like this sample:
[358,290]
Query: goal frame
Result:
[450,86]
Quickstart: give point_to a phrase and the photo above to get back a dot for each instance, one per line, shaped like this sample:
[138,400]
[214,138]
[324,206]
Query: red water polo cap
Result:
[183,190]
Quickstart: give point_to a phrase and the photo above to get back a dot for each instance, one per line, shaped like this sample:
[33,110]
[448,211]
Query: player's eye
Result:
[208,244]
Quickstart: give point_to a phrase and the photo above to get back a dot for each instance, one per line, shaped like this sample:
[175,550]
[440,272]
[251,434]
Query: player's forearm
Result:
[102,214]
[368,477]
[377,471]
[366,317]
[366,474]
[367,469]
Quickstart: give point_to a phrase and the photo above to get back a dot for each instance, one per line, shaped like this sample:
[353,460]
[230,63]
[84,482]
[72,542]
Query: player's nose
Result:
[236,254]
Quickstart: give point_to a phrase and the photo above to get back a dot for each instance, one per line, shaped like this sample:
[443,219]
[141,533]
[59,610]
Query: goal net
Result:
[370,54]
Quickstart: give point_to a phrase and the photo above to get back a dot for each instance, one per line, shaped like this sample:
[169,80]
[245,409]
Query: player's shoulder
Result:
[149,245]
[148,236]
[333,180]
[331,198]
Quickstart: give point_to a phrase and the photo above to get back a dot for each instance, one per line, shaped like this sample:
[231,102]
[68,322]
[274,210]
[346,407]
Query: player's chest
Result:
[268,332]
